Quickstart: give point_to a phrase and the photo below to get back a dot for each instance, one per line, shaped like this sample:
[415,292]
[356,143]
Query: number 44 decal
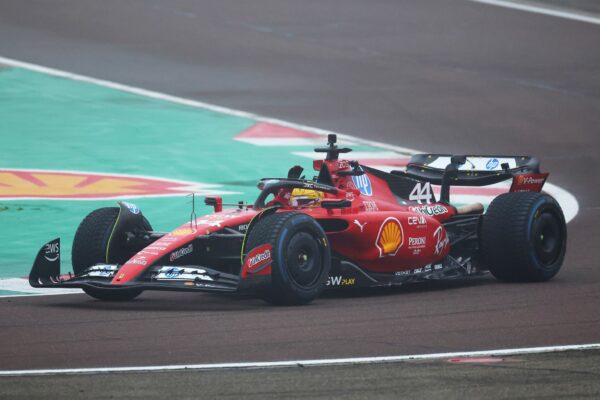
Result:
[421,193]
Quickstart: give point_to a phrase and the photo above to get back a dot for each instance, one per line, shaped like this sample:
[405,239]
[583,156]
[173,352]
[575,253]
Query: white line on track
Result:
[194,103]
[304,363]
[543,9]
[23,288]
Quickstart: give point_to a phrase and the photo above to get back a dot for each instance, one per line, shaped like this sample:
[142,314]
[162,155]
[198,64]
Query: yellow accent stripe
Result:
[111,233]
[248,231]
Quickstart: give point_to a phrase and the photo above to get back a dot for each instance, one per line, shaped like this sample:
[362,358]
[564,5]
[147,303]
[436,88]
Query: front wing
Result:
[46,273]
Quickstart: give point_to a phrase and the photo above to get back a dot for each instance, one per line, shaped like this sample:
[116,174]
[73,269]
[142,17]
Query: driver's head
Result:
[305,197]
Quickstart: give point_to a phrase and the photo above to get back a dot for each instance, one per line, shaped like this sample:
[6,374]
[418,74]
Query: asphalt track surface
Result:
[442,76]
[550,376]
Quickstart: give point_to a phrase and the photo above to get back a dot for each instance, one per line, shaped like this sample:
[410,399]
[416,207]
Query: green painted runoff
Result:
[54,123]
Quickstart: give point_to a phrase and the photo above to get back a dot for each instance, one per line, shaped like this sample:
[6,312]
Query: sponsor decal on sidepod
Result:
[420,221]
[429,210]
[390,237]
[361,226]
[441,240]
[417,244]
[416,241]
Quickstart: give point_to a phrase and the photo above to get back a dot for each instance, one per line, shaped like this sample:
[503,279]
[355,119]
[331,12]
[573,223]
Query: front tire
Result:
[523,237]
[301,258]
[90,247]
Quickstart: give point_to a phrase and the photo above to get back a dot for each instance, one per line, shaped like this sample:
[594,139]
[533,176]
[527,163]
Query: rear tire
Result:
[301,258]
[523,237]
[90,248]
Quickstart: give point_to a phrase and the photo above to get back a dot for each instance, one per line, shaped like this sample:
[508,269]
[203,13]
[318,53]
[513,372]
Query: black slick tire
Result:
[90,248]
[523,237]
[301,257]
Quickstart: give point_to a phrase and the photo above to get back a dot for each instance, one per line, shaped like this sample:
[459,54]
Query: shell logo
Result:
[390,237]
[19,184]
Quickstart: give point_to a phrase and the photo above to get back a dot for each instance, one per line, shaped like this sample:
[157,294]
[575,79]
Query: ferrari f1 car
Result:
[350,226]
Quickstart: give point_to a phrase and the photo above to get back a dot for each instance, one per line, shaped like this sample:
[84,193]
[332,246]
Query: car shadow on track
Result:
[210,302]
[161,301]
[409,288]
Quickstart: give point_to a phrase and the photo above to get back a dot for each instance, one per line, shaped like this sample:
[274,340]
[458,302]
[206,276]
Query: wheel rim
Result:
[303,258]
[547,238]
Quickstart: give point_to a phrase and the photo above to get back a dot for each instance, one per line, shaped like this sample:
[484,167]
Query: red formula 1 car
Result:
[351,226]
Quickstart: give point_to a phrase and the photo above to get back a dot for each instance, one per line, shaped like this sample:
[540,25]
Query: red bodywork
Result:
[376,232]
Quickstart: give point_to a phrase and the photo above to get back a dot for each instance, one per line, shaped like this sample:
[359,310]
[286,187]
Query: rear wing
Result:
[475,170]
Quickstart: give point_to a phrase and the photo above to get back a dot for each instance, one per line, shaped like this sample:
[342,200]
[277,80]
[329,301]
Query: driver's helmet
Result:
[305,198]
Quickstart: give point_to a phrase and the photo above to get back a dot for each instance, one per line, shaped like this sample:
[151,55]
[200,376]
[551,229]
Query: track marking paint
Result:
[23,288]
[542,9]
[304,363]
[79,185]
